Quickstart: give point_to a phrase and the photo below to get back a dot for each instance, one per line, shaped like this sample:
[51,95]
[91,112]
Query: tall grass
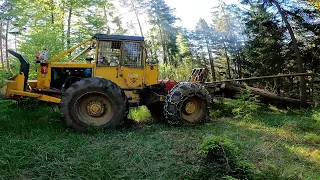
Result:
[36,144]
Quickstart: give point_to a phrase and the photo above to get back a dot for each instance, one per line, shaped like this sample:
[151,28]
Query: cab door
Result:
[131,69]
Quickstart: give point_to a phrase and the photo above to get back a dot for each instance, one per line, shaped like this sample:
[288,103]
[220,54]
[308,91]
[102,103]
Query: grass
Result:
[35,144]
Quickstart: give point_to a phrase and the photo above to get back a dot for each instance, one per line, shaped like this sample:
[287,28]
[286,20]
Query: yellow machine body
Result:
[130,77]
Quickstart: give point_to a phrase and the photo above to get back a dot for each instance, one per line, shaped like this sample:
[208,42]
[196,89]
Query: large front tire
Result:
[187,103]
[94,103]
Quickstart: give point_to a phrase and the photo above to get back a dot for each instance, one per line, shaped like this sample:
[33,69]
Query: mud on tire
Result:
[93,103]
[187,103]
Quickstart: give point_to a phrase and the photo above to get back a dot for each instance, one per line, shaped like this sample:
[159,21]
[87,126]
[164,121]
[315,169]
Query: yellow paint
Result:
[130,79]
[41,97]
[32,83]
[132,95]
[151,75]
[162,98]
[15,83]
[70,65]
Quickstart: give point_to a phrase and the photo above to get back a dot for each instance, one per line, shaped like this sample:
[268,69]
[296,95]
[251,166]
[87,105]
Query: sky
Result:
[190,11]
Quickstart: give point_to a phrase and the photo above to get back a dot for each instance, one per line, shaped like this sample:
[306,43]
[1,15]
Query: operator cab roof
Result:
[117,37]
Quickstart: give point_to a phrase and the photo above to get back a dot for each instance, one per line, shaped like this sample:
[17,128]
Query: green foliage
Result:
[180,73]
[273,173]
[222,160]
[43,25]
[140,114]
[245,106]
[162,18]
[312,138]
[263,50]
[229,178]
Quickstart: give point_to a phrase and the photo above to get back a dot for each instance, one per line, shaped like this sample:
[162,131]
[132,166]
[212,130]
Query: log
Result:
[264,77]
[231,89]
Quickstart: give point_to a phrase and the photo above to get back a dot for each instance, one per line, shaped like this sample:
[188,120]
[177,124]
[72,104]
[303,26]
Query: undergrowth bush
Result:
[272,173]
[221,160]
[139,114]
[312,138]
[245,106]
[4,75]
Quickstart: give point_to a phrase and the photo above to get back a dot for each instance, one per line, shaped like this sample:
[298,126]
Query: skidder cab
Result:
[98,80]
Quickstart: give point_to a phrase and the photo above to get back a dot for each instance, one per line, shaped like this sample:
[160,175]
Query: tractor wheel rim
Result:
[193,109]
[94,109]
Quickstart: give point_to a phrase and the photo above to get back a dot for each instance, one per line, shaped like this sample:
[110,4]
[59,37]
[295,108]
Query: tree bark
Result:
[69,28]
[163,43]
[52,11]
[303,89]
[1,46]
[6,41]
[213,71]
[267,77]
[239,64]
[231,89]
[228,59]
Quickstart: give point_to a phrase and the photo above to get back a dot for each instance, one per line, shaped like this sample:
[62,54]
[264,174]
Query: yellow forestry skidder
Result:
[114,77]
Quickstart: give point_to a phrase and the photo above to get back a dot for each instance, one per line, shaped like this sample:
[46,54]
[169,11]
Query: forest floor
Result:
[36,144]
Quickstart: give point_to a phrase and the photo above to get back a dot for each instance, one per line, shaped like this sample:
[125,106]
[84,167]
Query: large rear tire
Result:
[93,103]
[187,103]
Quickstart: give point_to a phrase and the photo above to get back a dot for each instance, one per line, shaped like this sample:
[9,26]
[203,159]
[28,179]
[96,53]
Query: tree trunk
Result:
[239,64]
[168,52]
[1,46]
[69,28]
[52,11]
[303,89]
[6,41]
[137,17]
[231,89]
[154,53]
[228,59]
[213,72]
[163,43]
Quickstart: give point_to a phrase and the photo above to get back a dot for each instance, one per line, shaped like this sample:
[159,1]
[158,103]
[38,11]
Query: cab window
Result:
[132,54]
[109,53]
[114,53]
